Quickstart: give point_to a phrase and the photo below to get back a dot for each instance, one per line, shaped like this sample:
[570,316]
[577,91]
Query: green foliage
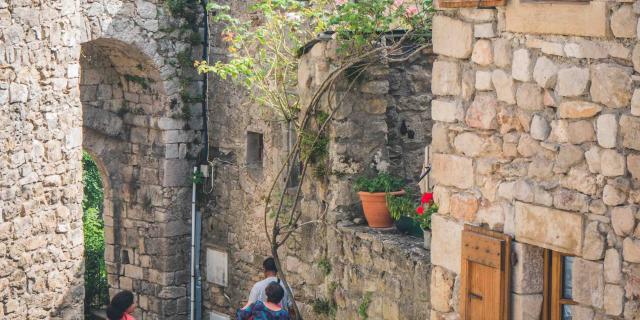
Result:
[313,147]
[364,306]
[197,177]
[325,266]
[425,219]
[179,7]
[143,82]
[383,182]
[401,206]
[325,307]
[93,188]
[96,286]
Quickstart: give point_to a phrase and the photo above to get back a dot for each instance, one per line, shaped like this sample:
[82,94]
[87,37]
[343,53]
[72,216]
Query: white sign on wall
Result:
[217,267]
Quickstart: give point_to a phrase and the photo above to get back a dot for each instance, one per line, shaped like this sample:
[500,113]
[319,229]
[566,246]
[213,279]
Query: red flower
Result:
[420,210]
[427,197]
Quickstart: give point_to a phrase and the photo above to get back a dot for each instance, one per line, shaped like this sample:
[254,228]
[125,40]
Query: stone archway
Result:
[144,156]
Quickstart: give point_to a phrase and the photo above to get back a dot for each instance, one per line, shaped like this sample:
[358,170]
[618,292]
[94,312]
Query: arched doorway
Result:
[144,156]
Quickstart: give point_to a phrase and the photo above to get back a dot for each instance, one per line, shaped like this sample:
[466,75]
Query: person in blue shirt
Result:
[270,309]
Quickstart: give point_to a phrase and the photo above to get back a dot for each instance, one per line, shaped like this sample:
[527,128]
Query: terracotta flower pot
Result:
[375,208]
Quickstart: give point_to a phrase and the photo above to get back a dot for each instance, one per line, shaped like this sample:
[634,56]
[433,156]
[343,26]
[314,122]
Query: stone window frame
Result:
[553,285]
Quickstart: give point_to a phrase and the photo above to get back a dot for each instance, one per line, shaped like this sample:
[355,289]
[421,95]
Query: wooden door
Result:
[485,280]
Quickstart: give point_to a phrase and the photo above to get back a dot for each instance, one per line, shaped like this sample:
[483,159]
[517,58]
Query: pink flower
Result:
[398,3]
[341,2]
[411,11]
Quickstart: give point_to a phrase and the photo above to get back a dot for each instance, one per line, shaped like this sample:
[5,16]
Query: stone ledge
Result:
[390,239]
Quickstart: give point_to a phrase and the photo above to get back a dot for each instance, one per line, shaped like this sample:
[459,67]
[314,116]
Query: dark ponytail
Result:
[119,304]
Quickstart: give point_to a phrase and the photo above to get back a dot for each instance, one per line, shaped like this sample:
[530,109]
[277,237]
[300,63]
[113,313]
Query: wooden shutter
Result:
[470,3]
[485,275]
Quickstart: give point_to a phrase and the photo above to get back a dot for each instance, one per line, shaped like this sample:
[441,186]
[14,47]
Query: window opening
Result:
[558,286]
[255,146]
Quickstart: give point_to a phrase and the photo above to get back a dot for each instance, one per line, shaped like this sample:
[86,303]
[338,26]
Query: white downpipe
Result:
[192,296]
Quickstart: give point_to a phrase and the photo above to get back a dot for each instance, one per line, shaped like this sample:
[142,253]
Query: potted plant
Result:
[373,194]
[423,215]
[402,209]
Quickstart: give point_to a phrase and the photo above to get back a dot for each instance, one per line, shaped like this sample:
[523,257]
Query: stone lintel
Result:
[549,228]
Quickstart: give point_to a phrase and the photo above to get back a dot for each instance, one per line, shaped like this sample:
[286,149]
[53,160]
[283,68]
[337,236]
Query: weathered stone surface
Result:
[483,81]
[529,97]
[545,72]
[446,78]
[502,52]
[607,133]
[482,112]
[469,144]
[447,111]
[583,48]
[614,194]
[613,299]
[612,266]
[612,163]
[484,30]
[635,103]
[578,109]
[622,220]
[453,171]
[579,179]
[549,228]
[504,86]
[624,22]
[482,53]
[559,131]
[630,129]
[568,156]
[440,138]
[526,307]
[441,291]
[521,65]
[570,200]
[635,57]
[633,165]
[572,81]
[594,243]
[446,240]
[580,131]
[631,250]
[588,283]
[452,37]
[528,272]
[611,85]
[540,128]
[477,15]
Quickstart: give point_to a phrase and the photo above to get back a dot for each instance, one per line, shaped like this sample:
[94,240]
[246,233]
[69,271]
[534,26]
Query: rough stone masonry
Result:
[543,134]
[103,76]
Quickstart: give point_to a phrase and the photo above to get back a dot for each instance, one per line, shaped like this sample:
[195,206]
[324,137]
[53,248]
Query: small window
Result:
[255,146]
[558,286]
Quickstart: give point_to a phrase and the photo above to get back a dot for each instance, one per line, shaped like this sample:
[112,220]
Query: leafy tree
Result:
[95,271]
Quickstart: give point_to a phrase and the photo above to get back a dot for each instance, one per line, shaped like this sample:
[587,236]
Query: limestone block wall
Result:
[50,92]
[370,132]
[536,136]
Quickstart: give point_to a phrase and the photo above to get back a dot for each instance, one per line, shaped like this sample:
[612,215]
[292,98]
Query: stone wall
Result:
[536,136]
[383,125]
[47,81]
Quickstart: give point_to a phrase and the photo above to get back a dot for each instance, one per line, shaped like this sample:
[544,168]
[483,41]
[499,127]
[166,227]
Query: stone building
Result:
[535,107]
[532,133]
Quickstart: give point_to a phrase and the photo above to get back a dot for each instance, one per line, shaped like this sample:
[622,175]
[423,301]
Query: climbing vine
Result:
[263,52]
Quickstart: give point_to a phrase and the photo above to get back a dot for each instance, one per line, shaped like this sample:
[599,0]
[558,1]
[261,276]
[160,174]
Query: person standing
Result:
[271,309]
[121,306]
[271,275]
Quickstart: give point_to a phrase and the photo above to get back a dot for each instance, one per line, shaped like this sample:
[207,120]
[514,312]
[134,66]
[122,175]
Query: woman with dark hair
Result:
[121,306]
[268,310]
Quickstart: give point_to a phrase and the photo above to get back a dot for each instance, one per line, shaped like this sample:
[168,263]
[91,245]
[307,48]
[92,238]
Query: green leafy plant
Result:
[383,182]
[96,286]
[197,177]
[425,210]
[325,266]
[401,206]
[325,307]
[364,306]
